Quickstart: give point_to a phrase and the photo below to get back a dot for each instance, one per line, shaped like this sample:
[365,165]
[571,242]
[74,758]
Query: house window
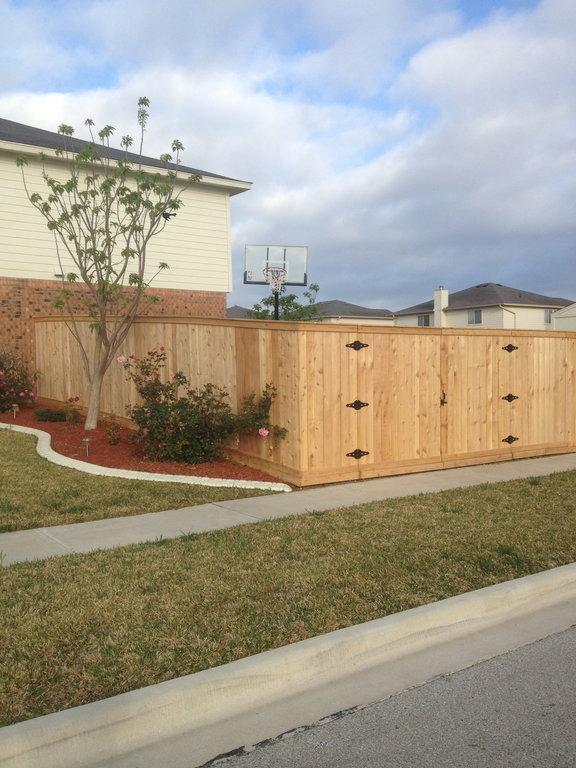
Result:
[474,317]
[548,316]
[423,321]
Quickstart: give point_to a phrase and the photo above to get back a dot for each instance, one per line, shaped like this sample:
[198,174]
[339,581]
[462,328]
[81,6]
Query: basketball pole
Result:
[276,305]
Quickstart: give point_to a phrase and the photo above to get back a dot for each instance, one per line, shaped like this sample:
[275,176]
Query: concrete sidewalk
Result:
[40,543]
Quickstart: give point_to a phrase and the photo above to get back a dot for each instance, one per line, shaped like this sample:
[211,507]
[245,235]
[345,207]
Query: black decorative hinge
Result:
[510,439]
[357,404]
[510,397]
[357,454]
[509,348]
[356,345]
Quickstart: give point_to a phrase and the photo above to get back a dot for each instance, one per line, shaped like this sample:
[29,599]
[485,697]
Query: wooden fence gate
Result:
[461,397]
[359,401]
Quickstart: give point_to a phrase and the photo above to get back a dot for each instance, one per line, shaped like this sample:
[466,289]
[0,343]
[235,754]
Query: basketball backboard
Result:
[294,258]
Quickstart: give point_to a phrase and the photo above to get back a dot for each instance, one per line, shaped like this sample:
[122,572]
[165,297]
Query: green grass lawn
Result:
[34,492]
[80,628]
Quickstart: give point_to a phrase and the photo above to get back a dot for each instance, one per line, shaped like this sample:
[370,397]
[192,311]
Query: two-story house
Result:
[488,305]
[196,243]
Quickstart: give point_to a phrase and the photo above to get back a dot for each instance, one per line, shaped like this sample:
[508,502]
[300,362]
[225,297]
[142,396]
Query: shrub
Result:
[113,430]
[47,414]
[72,410]
[179,423]
[16,386]
[254,415]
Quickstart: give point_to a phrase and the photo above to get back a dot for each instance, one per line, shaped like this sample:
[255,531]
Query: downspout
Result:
[500,306]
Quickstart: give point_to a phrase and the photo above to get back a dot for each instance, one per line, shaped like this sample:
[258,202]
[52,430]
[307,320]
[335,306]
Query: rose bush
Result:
[16,385]
[177,422]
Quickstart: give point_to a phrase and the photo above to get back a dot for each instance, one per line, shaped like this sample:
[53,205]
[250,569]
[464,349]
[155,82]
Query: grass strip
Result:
[80,628]
[35,493]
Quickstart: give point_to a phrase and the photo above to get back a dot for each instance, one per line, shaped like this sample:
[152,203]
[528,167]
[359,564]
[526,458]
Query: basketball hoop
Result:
[276,266]
[275,275]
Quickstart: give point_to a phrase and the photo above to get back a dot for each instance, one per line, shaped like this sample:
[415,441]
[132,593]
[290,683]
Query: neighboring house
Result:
[488,305]
[195,243]
[237,313]
[335,311]
[565,319]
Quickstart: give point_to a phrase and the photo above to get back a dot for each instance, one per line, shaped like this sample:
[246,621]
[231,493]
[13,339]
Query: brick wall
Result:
[23,300]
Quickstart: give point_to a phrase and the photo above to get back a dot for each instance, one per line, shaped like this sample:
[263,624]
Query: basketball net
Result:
[275,277]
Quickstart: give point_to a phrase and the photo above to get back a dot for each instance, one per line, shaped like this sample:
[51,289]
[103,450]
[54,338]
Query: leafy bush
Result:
[72,410]
[47,414]
[113,430]
[254,415]
[15,384]
[179,423]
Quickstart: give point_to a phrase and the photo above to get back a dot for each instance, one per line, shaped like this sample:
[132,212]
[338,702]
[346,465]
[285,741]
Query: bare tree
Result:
[103,217]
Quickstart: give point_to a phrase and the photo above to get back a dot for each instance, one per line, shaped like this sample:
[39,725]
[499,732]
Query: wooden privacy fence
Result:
[358,401]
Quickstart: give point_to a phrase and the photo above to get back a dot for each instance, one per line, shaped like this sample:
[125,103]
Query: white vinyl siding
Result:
[527,318]
[565,319]
[195,244]
[410,321]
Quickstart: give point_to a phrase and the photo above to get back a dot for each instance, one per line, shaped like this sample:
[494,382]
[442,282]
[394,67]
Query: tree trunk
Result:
[94,400]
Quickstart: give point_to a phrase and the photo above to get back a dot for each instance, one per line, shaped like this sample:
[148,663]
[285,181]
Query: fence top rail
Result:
[344,328]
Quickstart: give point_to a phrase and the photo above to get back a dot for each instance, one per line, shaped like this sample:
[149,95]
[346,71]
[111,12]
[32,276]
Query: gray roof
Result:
[489,295]
[38,137]
[337,308]
[333,308]
[236,312]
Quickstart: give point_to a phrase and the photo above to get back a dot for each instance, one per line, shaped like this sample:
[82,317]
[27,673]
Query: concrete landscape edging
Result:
[44,449]
[110,730]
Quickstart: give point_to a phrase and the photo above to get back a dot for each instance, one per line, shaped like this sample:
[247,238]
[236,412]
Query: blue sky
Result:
[407,142]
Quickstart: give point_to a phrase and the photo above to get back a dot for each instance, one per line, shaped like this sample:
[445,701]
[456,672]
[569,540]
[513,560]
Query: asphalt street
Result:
[517,710]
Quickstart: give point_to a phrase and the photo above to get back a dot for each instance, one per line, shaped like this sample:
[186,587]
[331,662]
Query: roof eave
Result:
[232,186]
[480,306]
[356,317]
[504,304]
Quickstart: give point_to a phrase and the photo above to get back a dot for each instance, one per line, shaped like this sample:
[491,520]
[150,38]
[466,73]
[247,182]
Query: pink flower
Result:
[21,394]
[263,432]
[120,359]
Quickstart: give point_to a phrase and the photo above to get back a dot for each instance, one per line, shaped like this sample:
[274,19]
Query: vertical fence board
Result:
[402,373]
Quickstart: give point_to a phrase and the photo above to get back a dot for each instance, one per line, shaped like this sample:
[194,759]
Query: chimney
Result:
[440,304]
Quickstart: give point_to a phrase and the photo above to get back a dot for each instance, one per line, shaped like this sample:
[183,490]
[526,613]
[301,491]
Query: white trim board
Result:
[44,449]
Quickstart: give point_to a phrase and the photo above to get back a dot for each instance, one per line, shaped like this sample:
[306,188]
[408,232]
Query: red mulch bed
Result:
[68,441]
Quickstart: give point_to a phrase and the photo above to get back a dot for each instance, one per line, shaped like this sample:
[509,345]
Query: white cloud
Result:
[28,50]
[456,166]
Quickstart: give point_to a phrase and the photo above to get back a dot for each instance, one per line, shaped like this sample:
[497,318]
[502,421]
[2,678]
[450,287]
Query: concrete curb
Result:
[112,729]
[44,449]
